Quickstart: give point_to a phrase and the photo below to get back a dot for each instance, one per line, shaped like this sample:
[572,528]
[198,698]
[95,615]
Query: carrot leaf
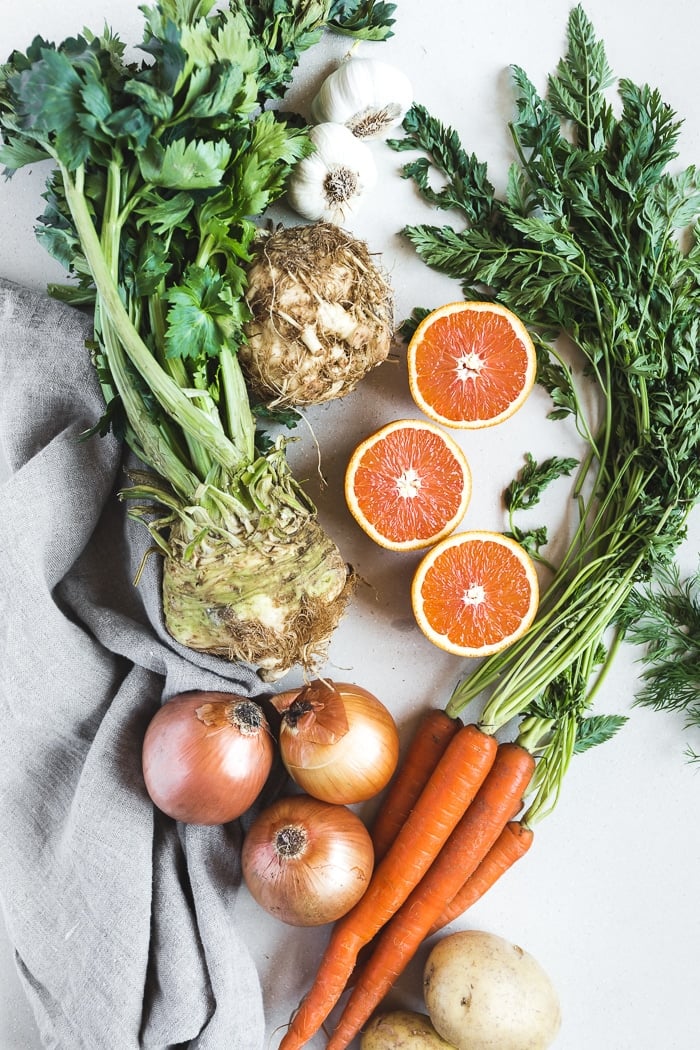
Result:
[526,489]
[597,729]
[594,245]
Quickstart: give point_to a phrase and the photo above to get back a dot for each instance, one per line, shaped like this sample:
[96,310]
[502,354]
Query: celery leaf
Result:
[203,315]
[186,165]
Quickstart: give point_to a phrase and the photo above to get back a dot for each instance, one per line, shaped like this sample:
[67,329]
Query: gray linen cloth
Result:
[121,919]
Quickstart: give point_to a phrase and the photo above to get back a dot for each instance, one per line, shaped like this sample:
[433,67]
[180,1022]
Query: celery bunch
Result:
[160,168]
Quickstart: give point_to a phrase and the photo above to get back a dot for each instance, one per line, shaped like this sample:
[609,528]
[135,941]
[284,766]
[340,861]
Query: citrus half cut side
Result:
[475,593]
[408,484]
[471,364]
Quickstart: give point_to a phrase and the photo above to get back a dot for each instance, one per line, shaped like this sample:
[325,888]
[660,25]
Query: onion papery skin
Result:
[322,315]
[352,768]
[206,756]
[324,877]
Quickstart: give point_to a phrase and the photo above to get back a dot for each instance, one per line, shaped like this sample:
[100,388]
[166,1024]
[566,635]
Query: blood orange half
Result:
[471,364]
[408,484]
[475,593]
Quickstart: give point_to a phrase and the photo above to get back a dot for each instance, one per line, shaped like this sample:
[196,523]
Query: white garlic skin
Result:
[331,182]
[367,95]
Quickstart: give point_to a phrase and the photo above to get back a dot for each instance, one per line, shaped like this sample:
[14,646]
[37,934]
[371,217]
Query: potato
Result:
[484,993]
[402,1028]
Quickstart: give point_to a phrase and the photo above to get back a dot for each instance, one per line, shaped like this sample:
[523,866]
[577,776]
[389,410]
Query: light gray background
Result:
[607,900]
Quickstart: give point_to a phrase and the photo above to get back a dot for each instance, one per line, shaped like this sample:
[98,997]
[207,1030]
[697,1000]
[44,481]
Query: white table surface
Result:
[607,899]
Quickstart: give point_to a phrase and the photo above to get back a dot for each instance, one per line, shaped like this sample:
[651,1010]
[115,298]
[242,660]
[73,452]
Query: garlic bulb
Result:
[366,95]
[330,183]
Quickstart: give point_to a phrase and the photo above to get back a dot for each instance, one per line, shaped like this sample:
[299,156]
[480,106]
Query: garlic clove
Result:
[367,95]
[330,183]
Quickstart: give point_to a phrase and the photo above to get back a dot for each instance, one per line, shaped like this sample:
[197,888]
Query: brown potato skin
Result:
[402,1030]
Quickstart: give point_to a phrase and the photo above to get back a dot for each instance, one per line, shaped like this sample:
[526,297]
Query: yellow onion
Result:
[206,756]
[338,742]
[305,861]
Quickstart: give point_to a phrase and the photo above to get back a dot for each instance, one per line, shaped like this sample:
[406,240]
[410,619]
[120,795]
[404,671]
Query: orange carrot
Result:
[466,847]
[512,844]
[449,791]
[428,744]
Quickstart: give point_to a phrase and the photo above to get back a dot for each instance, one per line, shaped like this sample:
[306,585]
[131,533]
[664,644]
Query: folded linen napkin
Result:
[121,919]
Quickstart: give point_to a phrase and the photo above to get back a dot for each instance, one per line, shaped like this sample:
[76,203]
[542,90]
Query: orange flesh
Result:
[476,594]
[409,485]
[469,370]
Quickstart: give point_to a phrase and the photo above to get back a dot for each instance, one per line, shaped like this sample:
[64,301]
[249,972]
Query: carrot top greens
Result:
[594,246]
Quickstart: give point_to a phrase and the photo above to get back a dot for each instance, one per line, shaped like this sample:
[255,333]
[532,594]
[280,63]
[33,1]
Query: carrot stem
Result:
[469,843]
[448,793]
[427,746]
